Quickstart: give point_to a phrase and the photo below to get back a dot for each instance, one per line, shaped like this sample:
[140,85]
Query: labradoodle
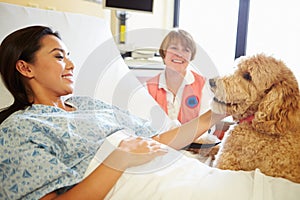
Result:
[262,95]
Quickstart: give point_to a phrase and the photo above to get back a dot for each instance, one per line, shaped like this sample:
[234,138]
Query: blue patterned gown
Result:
[45,149]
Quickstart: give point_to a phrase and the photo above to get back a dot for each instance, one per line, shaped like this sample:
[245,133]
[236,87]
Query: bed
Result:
[102,73]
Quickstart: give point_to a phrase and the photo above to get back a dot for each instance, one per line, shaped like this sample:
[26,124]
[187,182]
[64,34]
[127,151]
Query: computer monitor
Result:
[129,5]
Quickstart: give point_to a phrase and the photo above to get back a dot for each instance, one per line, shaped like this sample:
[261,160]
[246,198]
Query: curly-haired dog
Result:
[263,95]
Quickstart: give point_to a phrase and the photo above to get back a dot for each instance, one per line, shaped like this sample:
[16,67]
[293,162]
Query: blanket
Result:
[176,176]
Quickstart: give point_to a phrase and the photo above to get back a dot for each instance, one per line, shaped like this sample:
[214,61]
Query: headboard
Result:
[100,70]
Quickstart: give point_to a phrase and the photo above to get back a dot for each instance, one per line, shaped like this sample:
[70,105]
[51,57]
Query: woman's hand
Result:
[131,152]
[185,134]
[134,151]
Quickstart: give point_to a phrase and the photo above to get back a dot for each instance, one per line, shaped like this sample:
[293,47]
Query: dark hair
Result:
[19,45]
[178,35]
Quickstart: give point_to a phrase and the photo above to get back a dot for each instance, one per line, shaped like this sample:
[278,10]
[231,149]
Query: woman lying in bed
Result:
[46,143]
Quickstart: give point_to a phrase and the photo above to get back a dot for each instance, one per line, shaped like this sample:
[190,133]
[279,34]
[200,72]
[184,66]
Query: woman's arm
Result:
[131,152]
[95,186]
[184,135]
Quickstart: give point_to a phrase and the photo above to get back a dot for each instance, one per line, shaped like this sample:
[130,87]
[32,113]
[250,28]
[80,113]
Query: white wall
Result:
[75,6]
[274,28]
[213,25]
[162,16]
[161,20]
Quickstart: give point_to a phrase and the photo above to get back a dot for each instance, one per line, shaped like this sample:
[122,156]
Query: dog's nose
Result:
[212,82]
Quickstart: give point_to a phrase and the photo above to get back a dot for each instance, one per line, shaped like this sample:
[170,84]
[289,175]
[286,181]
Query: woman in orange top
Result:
[181,92]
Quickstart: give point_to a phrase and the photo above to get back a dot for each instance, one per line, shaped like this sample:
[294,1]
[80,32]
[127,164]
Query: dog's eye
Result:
[247,76]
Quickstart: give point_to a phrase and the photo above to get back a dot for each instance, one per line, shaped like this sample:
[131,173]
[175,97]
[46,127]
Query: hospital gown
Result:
[45,149]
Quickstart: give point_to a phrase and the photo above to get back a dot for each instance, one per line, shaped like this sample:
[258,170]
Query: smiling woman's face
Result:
[52,70]
[177,56]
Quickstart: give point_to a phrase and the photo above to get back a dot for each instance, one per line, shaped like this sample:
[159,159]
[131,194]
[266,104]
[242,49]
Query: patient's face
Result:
[177,56]
[52,69]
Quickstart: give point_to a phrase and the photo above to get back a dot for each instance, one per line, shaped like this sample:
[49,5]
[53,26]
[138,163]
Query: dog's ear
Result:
[279,109]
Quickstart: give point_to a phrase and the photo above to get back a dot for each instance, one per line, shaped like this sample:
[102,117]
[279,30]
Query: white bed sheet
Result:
[175,176]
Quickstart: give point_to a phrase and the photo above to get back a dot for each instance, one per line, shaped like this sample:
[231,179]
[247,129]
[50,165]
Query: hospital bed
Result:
[101,73]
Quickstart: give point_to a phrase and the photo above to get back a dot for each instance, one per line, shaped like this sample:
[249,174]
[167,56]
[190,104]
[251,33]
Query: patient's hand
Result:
[134,151]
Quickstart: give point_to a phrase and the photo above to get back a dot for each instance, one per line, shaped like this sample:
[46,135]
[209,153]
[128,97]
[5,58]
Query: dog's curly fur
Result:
[264,88]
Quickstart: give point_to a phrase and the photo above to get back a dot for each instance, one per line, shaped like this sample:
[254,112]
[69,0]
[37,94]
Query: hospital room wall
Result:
[162,16]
